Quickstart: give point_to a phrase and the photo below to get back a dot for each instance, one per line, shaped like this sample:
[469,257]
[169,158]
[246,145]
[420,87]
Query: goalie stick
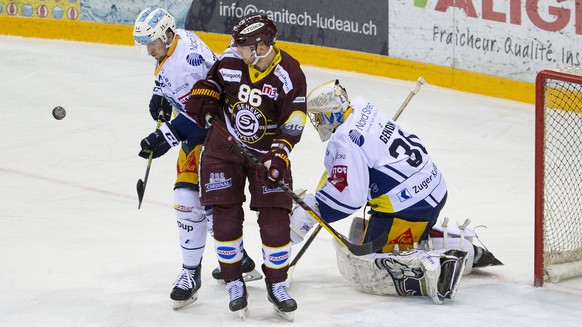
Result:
[141,184]
[356,249]
[419,82]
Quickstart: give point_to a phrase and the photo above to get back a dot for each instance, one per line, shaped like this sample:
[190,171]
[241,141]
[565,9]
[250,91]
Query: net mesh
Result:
[562,172]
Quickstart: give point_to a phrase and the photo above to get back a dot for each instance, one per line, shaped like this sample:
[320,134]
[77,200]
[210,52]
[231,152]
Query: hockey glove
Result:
[160,108]
[204,99]
[159,142]
[274,166]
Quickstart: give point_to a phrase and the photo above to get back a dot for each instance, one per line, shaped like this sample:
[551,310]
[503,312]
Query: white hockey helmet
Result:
[326,106]
[151,24]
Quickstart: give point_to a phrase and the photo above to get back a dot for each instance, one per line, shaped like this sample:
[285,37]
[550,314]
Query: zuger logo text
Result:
[426,182]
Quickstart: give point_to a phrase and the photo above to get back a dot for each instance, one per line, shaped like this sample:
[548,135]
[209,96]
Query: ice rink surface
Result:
[75,251]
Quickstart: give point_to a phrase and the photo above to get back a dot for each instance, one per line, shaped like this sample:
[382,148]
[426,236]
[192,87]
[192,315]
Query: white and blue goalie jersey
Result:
[370,158]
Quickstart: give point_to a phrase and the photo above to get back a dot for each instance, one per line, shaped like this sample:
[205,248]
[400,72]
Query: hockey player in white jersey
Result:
[372,160]
[182,59]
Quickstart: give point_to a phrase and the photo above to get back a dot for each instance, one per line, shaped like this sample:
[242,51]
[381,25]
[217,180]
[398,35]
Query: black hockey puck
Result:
[59,112]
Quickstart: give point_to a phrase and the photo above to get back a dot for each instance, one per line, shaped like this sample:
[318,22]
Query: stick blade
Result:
[367,248]
[140,192]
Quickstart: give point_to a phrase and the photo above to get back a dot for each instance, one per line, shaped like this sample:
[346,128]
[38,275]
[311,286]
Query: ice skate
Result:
[484,258]
[248,268]
[238,297]
[283,303]
[186,287]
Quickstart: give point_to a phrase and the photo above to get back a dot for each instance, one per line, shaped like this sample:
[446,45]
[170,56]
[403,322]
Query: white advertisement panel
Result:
[506,38]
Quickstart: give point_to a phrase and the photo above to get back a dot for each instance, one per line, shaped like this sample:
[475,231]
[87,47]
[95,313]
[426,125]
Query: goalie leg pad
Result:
[455,244]
[408,279]
[414,272]
[452,265]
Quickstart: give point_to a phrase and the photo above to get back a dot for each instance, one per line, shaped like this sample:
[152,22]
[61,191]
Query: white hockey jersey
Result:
[187,61]
[370,158]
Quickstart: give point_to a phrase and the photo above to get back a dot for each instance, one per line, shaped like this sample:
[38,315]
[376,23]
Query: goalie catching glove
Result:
[159,142]
[204,100]
[301,221]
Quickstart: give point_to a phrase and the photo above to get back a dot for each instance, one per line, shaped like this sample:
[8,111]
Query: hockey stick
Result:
[305,246]
[307,243]
[412,93]
[141,184]
[356,249]
[300,254]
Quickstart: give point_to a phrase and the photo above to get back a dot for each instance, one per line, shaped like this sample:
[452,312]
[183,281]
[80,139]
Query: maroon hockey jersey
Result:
[262,109]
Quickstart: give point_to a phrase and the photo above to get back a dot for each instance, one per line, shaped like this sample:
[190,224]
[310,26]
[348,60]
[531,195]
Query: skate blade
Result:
[247,277]
[289,316]
[252,275]
[243,313]
[180,304]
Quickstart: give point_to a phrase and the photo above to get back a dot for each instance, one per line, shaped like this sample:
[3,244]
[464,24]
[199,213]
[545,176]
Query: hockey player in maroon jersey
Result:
[257,91]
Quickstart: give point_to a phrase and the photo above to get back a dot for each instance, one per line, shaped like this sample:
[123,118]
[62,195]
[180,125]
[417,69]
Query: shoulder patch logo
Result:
[195,60]
[339,177]
[230,75]
[283,76]
[356,137]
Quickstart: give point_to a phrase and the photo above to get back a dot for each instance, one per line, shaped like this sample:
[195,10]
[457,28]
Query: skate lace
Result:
[186,280]
[280,291]
[235,289]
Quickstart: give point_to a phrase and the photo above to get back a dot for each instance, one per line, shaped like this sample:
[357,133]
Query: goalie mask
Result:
[326,108]
[151,24]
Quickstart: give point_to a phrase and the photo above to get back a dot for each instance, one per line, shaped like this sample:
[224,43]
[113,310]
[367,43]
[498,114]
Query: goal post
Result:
[558,175]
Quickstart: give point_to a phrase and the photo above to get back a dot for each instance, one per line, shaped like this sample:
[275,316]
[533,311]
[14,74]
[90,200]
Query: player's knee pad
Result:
[190,219]
[229,251]
[187,205]
[274,224]
[227,221]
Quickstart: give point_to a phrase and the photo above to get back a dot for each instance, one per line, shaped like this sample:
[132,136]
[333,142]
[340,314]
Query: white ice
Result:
[75,251]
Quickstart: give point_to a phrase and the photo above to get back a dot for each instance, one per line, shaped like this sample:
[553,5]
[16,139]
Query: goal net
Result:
[558,175]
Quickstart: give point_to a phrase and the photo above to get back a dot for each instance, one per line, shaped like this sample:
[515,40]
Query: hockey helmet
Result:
[326,107]
[254,28]
[151,24]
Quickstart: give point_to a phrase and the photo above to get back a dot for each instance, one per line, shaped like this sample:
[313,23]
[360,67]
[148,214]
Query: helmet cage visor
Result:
[326,105]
